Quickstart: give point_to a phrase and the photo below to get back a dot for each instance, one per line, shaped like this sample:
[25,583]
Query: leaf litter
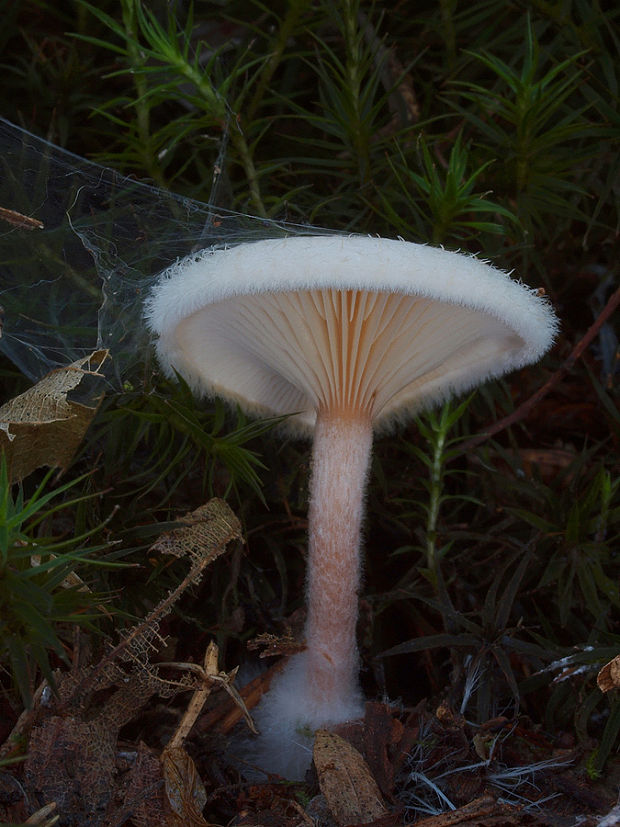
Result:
[398,766]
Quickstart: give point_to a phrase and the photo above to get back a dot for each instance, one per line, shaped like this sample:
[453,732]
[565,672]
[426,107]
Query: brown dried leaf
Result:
[139,789]
[44,817]
[205,531]
[547,461]
[141,641]
[346,782]
[379,741]
[185,792]
[446,716]
[71,762]
[609,676]
[41,426]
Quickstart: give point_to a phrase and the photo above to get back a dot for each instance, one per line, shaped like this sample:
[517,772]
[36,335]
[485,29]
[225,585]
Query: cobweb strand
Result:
[80,247]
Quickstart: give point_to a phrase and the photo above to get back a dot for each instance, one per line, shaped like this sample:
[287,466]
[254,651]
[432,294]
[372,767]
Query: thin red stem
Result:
[523,410]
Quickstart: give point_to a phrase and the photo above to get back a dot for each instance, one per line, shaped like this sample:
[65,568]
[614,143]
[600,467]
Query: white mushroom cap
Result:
[291,325]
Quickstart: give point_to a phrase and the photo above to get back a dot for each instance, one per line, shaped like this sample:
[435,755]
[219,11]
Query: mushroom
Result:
[347,335]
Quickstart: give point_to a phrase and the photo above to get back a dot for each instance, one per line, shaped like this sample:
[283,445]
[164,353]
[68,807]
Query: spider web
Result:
[81,246]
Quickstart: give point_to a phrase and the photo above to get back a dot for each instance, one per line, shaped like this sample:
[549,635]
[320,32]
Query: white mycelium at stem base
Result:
[346,335]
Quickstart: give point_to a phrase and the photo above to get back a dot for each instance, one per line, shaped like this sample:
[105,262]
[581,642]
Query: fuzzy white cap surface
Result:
[283,326]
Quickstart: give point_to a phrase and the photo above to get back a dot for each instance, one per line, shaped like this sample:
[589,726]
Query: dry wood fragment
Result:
[482,807]
[226,715]
[194,708]
[275,645]
[17,219]
[210,676]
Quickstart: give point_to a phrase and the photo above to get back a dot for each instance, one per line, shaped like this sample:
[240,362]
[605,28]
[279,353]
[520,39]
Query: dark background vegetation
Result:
[487,126]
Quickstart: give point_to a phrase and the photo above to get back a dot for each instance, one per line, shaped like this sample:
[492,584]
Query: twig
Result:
[211,676]
[225,717]
[486,805]
[287,27]
[24,222]
[523,410]
[198,699]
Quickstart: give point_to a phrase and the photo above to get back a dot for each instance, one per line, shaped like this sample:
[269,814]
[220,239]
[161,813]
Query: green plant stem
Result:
[240,144]
[354,74]
[143,117]
[287,28]
[217,108]
[448,7]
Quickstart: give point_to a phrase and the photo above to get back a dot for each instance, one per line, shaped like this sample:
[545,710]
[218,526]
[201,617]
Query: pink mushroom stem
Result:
[341,459]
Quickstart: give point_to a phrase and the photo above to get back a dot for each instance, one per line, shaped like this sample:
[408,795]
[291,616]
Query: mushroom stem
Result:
[341,458]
